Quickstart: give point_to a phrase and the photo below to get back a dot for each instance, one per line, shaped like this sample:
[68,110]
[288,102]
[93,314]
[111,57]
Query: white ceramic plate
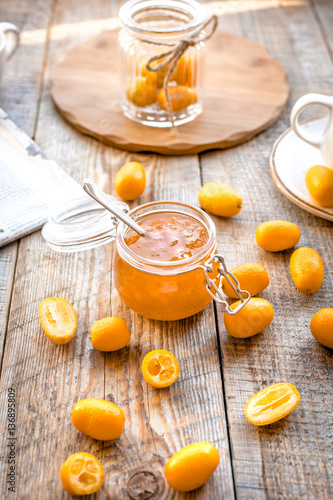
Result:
[289,160]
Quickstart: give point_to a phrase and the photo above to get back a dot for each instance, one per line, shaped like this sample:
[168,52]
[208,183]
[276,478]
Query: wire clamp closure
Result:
[222,271]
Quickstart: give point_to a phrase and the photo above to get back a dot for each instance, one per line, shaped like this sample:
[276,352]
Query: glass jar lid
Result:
[81,224]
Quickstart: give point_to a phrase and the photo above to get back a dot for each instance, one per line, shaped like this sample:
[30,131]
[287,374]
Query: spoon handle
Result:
[95,192]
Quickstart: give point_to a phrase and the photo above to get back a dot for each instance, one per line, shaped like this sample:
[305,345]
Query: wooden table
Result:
[291,459]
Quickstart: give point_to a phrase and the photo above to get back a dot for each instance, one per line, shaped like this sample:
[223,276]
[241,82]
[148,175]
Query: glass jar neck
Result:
[165,21]
[173,267]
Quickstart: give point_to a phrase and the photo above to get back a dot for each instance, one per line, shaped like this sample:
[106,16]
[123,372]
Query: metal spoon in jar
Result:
[95,192]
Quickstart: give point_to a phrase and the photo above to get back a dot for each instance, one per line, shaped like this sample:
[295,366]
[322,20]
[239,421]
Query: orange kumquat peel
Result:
[160,368]
[109,334]
[272,403]
[58,319]
[98,418]
[82,474]
[192,466]
[130,181]
[321,326]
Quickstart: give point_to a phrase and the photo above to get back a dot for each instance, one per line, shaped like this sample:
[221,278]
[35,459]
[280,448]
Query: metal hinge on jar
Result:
[219,297]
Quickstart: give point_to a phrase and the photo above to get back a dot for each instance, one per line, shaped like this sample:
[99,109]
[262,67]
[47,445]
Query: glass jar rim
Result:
[166,267]
[190,7]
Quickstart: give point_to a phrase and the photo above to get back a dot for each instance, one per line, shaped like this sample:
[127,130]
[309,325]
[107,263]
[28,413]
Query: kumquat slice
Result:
[58,319]
[82,474]
[160,368]
[272,403]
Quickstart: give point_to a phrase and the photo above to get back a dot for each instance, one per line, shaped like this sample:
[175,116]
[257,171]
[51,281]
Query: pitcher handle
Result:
[302,103]
[11,28]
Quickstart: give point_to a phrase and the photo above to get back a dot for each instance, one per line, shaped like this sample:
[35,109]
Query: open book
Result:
[31,185]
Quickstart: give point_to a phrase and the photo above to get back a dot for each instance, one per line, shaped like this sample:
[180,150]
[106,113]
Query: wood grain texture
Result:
[7,269]
[49,379]
[19,96]
[191,410]
[21,85]
[323,11]
[292,458]
[246,90]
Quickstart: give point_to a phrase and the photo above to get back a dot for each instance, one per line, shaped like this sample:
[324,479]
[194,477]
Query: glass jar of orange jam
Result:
[170,273]
[163,275]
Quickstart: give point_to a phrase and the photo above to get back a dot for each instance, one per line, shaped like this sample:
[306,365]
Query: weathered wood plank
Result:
[193,409]
[7,269]
[19,96]
[323,11]
[293,458]
[49,379]
[21,85]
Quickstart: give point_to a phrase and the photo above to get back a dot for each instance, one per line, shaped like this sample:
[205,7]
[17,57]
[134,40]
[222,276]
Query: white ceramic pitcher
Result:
[324,142]
[6,49]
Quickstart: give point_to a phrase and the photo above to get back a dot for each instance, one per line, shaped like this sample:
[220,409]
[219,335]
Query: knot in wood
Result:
[142,486]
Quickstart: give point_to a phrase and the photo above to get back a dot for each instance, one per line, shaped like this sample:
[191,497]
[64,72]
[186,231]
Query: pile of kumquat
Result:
[82,473]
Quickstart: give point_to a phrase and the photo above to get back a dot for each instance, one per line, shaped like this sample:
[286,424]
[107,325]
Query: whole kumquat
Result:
[142,92]
[186,71]
[109,334]
[192,466]
[130,181]
[154,77]
[321,326]
[82,474]
[58,319]
[181,97]
[272,403]
[160,368]
[252,277]
[253,318]
[319,181]
[307,270]
[220,199]
[277,235]
[98,419]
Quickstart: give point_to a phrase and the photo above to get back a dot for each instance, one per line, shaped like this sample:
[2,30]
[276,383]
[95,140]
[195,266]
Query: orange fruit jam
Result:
[170,237]
[165,287]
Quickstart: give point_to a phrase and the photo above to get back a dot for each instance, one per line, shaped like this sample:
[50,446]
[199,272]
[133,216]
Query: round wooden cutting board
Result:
[246,92]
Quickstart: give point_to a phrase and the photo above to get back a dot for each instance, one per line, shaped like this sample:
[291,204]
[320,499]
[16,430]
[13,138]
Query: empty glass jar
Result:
[151,28]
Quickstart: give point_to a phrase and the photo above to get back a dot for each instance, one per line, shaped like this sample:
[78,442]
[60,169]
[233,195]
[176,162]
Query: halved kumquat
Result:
[160,368]
[82,474]
[58,319]
[272,403]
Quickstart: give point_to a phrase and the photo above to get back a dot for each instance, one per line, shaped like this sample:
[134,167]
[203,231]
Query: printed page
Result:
[31,185]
